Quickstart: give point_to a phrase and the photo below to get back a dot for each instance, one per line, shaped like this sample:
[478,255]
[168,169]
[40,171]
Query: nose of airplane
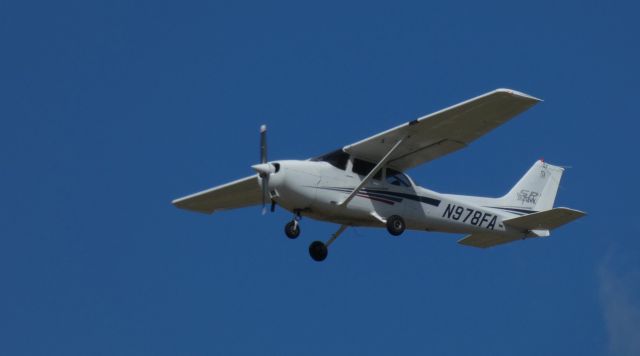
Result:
[264,168]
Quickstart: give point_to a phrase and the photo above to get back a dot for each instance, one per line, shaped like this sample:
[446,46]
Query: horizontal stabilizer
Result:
[485,240]
[545,220]
[532,225]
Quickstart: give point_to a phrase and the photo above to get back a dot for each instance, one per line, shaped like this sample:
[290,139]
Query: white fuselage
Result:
[315,189]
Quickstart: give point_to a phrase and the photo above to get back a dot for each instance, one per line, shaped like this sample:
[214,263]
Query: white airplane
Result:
[364,184]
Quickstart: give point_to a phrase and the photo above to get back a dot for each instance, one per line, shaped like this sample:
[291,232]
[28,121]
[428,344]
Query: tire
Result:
[292,230]
[396,225]
[318,251]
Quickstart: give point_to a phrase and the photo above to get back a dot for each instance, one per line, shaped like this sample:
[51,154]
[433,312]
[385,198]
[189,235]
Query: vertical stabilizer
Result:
[536,190]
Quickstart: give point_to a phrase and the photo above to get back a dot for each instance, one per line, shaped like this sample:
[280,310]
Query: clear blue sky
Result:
[111,109]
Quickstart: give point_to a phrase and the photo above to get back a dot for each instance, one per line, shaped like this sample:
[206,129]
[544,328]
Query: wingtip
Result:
[517,93]
[180,202]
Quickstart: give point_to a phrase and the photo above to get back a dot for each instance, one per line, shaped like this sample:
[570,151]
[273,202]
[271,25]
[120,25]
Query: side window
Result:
[397,178]
[363,168]
[337,158]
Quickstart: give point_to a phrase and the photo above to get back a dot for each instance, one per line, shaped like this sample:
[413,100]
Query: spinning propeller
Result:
[264,170]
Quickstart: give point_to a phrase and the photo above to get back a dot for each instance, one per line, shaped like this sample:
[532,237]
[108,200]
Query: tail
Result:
[536,190]
[532,198]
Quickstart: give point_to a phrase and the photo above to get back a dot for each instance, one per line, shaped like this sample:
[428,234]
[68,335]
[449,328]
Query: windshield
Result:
[397,178]
[337,158]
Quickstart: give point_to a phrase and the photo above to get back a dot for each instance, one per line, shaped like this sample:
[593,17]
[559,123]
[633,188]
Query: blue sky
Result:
[112,109]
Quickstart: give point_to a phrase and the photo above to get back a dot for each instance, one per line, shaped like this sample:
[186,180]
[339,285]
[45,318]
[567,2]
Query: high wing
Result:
[443,132]
[237,194]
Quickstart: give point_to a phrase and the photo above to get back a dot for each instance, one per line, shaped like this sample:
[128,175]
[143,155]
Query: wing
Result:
[445,131]
[237,194]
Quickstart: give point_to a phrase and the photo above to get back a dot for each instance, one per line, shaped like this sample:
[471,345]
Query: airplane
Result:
[365,184]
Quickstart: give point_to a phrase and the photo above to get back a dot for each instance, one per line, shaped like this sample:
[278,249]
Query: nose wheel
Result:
[292,229]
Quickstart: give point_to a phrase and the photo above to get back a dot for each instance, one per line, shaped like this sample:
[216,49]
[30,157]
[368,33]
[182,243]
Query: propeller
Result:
[264,169]
[263,144]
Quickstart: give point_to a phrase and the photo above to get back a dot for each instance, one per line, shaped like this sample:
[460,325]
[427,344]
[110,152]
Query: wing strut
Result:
[373,172]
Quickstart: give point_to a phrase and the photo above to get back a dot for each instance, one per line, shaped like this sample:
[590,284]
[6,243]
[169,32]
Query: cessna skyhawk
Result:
[364,184]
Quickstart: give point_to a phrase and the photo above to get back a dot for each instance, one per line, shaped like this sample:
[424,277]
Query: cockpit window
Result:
[337,158]
[397,178]
[363,168]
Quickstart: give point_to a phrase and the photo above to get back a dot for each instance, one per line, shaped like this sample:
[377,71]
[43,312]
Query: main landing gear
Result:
[396,225]
[319,250]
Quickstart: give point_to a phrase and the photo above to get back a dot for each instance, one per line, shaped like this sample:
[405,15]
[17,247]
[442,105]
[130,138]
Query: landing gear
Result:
[292,229]
[395,225]
[319,250]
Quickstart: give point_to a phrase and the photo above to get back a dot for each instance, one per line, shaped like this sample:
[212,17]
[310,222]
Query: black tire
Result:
[292,230]
[396,225]
[318,251]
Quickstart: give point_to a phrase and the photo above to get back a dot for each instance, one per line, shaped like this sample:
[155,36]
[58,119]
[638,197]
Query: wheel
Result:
[318,251]
[395,225]
[292,229]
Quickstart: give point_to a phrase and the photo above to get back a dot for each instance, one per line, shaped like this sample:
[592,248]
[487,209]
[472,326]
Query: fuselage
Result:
[315,188]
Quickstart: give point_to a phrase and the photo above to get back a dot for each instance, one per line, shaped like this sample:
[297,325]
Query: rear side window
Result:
[337,158]
[363,168]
